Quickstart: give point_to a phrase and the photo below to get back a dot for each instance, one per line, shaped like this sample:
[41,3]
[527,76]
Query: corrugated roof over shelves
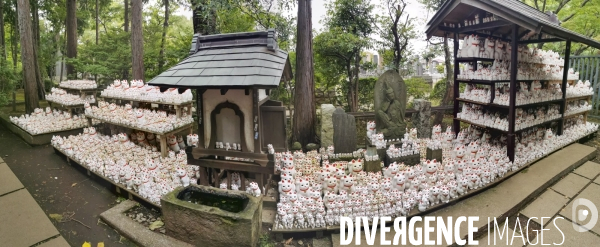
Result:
[513,11]
[230,60]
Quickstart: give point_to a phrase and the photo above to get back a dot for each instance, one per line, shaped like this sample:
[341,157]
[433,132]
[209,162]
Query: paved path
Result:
[58,188]
[23,221]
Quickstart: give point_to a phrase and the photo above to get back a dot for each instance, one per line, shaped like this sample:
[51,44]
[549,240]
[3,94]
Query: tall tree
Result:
[349,24]
[137,40]
[27,56]
[161,55]
[303,129]
[97,31]
[126,16]
[396,30]
[71,36]
[126,29]
[2,43]
[36,49]
[434,5]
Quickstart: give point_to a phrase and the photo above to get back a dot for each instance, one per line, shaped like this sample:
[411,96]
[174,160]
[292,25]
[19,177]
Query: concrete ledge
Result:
[34,140]
[509,197]
[135,232]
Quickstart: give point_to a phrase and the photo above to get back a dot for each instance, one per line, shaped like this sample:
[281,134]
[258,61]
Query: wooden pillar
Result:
[563,105]
[203,176]
[164,150]
[255,117]
[228,180]
[455,122]
[199,112]
[178,111]
[513,92]
[242,181]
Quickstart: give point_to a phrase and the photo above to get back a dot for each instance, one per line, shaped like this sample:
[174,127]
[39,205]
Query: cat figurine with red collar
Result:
[253,189]
[192,140]
[172,143]
[180,142]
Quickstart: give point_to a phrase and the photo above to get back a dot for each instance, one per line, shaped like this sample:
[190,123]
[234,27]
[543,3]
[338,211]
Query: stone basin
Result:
[208,216]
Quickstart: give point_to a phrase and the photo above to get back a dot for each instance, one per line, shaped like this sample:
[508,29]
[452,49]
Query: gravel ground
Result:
[146,217]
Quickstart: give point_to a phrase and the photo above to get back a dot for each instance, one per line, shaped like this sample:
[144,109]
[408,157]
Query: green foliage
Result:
[395,16]
[440,68]
[8,81]
[265,241]
[580,16]
[366,87]
[349,23]
[417,87]
[439,90]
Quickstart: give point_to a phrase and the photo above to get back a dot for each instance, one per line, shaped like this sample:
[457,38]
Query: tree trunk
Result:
[27,56]
[13,43]
[161,55]
[304,99]
[97,26]
[71,36]
[126,17]
[449,95]
[126,29]
[2,43]
[137,40]
[36,48]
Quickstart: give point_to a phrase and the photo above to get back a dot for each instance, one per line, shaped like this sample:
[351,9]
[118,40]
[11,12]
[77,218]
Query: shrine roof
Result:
[229,61]
[509,11]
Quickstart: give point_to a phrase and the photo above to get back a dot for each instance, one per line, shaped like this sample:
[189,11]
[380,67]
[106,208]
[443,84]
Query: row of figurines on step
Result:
[140,91]
[498,119]
[474,21]
[378,140]
[40,121]
[500,70]
[475,46]
[78,84]
[527,93]
[61,96]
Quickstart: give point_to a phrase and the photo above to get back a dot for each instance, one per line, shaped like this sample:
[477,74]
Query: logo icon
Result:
[580,215]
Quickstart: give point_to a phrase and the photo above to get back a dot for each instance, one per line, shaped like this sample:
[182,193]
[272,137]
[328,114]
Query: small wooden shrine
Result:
[233,75]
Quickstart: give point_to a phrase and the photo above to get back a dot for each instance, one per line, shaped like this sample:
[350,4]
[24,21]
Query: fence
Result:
[589,69]
[362,118]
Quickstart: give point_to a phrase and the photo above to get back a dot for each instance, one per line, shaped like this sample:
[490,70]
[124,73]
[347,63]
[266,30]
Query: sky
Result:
[414,8]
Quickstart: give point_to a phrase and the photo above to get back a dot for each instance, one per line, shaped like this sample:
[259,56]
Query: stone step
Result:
[269,202]
[268,217]
[508,197]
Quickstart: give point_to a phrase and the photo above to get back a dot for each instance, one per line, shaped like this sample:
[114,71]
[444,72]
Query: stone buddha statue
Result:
[390,105]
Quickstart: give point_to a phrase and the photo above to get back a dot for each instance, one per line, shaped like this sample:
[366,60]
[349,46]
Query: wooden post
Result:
[242,181]
[228,180]
[455,122]
[178,111]
[203,176]
[255,117]
[513,92]
[563,105]
[163,145]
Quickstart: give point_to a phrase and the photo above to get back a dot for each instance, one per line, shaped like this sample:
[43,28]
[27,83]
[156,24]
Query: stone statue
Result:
[390,105]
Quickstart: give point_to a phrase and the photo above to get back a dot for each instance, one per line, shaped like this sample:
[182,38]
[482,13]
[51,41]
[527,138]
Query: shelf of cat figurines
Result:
[82,85]
[119,186]
[140,92]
